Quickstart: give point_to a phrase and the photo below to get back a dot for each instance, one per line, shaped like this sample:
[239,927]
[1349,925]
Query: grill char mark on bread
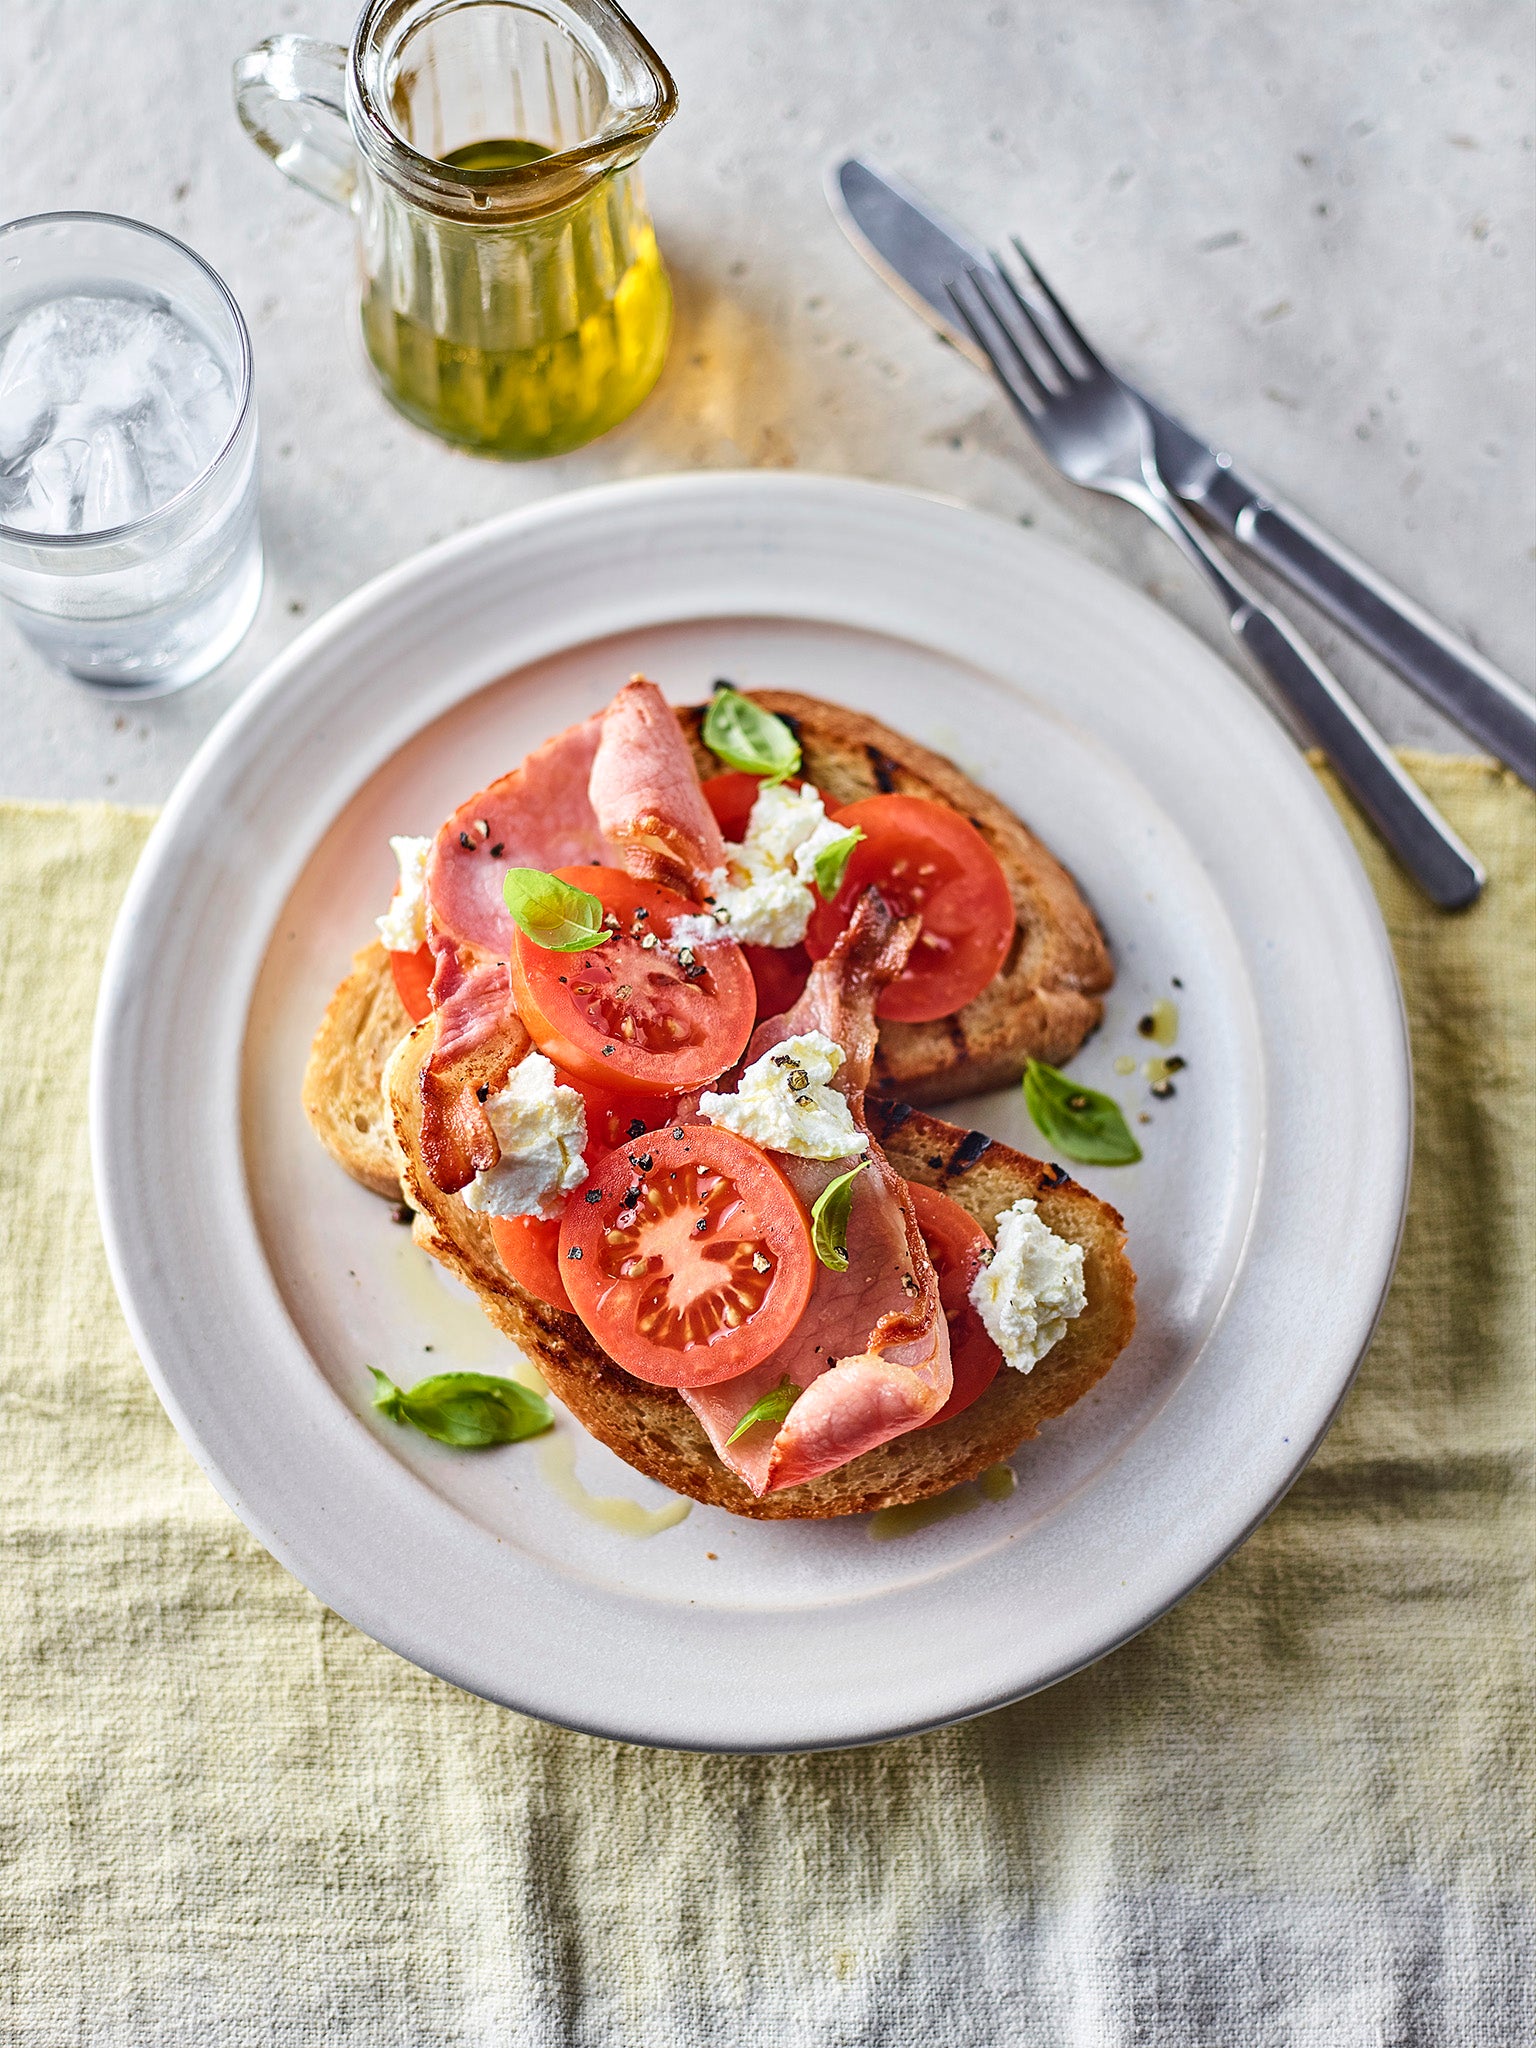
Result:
[969,1150]
[651,1427]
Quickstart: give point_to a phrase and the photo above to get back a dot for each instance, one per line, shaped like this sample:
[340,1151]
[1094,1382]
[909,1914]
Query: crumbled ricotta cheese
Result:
[1031,1290]
[788,828]
[784,1102]
[403,927]
[765,887]
[541,1128]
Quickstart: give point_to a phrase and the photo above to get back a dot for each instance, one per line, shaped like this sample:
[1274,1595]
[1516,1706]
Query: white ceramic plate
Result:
[1263,1222]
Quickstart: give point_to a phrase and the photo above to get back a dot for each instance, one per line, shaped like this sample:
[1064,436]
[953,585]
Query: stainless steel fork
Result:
[1095,432]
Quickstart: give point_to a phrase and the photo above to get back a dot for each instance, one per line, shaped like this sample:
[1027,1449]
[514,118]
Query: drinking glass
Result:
[130,551]
[513,299]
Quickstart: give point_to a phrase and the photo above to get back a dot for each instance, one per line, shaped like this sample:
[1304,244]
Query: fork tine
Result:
[1034,394]
[1010,322]
[1068,326]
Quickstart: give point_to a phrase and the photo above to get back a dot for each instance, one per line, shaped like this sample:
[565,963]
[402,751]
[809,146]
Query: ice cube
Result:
[58,486]
[24,410]
[110,404]
[116,488]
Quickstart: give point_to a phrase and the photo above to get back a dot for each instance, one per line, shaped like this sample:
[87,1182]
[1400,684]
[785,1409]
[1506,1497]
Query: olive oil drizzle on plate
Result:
[557,1467]
[996,1483]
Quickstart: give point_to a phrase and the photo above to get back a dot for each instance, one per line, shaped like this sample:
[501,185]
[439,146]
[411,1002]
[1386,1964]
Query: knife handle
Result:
[1452,676]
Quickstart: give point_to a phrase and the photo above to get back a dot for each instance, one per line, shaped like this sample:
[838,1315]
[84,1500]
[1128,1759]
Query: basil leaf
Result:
[831,863]
[554,914]
[772,1408]
[1079,1121]
[470,1409]
[747,737]
[829,1219]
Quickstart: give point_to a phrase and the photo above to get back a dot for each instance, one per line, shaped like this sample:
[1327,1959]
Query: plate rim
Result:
[416,574]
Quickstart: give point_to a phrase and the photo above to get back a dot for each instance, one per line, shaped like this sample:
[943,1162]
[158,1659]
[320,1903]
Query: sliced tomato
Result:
[925,858]
[612,1119]
[530,1250]
[780,974]
[530,1245]
[957,1243]
[688,1256]
[731,797]
[631,1018]
[413,981]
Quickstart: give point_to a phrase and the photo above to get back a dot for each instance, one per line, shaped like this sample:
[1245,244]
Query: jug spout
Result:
[481,110]
[500,109]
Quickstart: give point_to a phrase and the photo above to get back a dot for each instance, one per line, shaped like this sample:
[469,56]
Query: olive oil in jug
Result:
[533,338]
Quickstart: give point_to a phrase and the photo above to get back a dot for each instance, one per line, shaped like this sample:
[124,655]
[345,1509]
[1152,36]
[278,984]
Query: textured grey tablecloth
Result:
[1309,228]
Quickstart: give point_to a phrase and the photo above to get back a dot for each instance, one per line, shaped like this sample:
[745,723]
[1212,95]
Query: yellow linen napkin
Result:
[1293,1810]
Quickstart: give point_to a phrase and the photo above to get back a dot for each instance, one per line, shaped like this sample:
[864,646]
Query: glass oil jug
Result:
[513,298]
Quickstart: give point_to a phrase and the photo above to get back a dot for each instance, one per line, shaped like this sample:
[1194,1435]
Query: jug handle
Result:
[291,97]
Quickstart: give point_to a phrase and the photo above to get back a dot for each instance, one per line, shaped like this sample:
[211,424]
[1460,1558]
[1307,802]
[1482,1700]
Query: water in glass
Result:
[129,546]
[109,405]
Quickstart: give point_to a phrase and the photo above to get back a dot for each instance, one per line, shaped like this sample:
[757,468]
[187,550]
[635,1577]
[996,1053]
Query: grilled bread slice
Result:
[652,1428]
[1041,1005]
[1045,1000]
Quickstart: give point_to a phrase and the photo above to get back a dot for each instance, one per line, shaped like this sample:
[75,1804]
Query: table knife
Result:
[919,256]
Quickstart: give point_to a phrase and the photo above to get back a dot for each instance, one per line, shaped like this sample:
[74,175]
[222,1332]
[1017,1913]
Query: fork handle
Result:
[1409,823]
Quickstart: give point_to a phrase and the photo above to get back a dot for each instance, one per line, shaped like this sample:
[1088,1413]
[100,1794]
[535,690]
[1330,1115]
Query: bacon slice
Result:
[872,1349]
[646,795]
[480,1038]
[539,816]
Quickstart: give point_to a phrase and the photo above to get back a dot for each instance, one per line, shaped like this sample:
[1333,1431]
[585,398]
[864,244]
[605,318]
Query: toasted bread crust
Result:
[363,1023]
[653,1429]
[1045,1001]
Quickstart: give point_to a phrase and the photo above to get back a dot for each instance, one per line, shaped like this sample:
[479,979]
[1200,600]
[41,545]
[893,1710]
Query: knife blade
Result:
[919,254]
